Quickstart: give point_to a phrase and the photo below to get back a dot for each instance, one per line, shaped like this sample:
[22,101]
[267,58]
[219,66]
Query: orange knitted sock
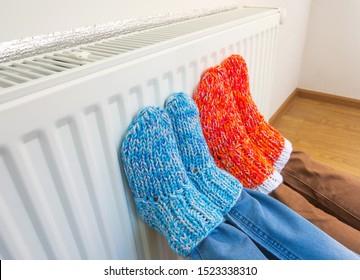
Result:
[272,144]
[226,136]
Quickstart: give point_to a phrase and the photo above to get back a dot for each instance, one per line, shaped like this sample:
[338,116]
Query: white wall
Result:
[331,61]
[20,18]
[292,37]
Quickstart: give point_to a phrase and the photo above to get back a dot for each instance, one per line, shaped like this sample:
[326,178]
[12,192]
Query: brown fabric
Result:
[334,192]
[343,233]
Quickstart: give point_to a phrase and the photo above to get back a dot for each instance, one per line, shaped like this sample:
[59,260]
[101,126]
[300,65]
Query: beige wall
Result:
[21,18]
[331,61]
[292,36]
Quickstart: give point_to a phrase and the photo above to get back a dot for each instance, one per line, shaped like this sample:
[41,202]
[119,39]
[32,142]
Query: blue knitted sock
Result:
[165,198]
[219,186]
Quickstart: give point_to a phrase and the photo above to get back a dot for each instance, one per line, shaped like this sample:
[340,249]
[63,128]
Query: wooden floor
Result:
[327,131]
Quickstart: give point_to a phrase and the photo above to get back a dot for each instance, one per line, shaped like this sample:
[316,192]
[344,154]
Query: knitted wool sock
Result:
[226,136]
[272,144]
[165,198]
[220,187]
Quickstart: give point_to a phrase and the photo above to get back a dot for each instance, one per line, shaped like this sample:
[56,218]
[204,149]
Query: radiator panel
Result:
[64,194]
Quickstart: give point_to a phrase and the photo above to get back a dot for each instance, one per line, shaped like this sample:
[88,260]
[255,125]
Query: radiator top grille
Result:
[44,66]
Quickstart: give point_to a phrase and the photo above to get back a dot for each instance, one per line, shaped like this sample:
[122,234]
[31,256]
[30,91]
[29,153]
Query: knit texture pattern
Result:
[218,186]
[226,136]
[165,198]
[272,144]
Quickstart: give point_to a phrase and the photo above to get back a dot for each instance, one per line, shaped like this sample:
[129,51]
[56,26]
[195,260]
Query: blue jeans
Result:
[260,227]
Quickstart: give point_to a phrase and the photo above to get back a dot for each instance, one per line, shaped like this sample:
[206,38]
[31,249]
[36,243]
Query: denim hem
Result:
[259,236]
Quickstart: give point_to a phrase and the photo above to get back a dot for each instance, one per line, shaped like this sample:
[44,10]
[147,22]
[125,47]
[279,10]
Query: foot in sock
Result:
[165,198]
[219,186]
[226,136]
[272,144]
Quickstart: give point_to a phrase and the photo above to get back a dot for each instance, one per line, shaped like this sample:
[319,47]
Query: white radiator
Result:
[62,118]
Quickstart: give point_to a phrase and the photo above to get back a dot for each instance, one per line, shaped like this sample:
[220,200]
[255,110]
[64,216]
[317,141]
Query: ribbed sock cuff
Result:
[271,183]
[220,187]
[185,217]
[284,156]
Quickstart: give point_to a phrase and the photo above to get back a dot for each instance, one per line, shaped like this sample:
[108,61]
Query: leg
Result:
[330,190]
[282,231]
[345,234]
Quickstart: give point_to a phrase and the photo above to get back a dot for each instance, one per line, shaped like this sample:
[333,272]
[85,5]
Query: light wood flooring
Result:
[328,131]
